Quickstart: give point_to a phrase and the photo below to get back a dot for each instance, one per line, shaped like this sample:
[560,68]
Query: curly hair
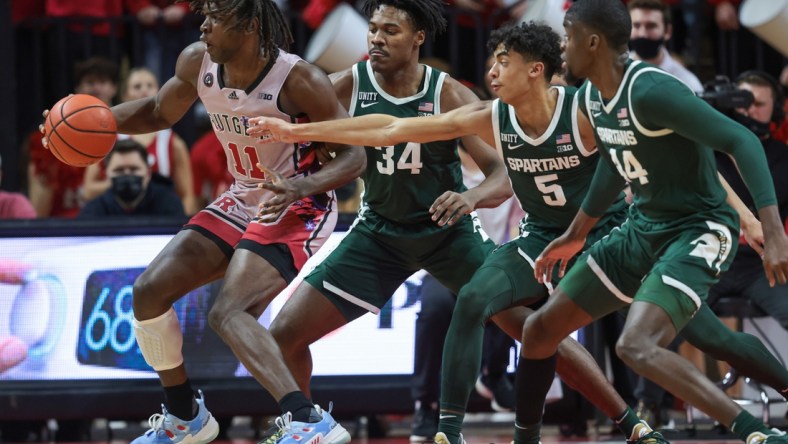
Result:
[607,17]
[534,41]
[273,30]
[426,15]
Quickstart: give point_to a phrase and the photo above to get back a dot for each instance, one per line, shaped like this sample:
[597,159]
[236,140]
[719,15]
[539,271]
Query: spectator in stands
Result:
[132,192]
[14,206]
[54,187]
[736,48]
[168,156]
[745,278]
[652,27]
[69,40]
[164,34]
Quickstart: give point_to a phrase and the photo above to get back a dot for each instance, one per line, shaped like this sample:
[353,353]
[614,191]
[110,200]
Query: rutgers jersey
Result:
[229,110]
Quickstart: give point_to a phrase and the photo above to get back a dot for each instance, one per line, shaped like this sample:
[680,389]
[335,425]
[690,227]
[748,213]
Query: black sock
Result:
[532,382]
[179,400]
[299,406]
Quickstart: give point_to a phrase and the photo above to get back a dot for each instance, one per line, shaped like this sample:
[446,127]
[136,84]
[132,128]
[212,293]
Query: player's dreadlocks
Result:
[273,30]
[426,15]
[533,40]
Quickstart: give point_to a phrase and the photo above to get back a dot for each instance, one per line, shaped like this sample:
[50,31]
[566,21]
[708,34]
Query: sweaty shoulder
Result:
[343,85]
[454,95]
[189,63]
[304,80]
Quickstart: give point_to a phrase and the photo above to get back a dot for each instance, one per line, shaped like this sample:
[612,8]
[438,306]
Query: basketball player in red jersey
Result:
[238,71]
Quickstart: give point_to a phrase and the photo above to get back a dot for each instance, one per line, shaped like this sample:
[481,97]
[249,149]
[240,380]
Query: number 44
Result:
[631,169]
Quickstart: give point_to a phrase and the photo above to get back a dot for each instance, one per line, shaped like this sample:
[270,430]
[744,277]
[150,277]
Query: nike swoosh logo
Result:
[368,104]
[514,147]
[446,416]
[593,114]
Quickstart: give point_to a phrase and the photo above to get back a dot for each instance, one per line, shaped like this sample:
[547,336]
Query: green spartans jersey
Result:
[671,176]
[550,174]
[402,181]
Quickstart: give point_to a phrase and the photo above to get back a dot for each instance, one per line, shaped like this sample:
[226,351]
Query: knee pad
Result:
[160,340]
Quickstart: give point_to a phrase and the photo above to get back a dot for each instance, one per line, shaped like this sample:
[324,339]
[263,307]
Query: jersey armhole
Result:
[354,94]
[576,128]
[496,126]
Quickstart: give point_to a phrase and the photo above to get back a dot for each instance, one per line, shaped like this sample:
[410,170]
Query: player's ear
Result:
[594,40]
[537,69]
[421,36]
[252,26]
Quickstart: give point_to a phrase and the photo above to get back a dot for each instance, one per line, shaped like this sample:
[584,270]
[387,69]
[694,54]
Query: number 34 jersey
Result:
[402,181]
[229,110]
[550,174]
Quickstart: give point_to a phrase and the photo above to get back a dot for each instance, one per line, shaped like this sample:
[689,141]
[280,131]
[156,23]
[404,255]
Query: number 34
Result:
[410,159]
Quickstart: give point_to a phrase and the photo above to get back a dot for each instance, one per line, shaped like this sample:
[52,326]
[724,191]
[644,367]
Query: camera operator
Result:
[745,278]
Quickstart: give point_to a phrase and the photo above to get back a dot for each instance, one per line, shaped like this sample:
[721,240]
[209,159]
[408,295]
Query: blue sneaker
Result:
[327,431]
[166,428]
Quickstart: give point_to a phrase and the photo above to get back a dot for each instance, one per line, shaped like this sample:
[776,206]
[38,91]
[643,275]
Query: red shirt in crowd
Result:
[64,180]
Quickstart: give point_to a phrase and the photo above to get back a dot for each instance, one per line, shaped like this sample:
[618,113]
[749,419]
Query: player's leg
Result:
[594,286]
[671,293]
[579,370]
[357,277]
[193,258]
[744,352]
[432,323]
[267,258]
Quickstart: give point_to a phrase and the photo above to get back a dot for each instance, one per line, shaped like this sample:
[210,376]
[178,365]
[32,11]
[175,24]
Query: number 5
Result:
[553,193]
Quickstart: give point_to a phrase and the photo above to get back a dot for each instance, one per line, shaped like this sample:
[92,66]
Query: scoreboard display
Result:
[69,300]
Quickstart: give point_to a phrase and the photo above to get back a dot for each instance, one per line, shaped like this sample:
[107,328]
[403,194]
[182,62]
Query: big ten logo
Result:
[406,296]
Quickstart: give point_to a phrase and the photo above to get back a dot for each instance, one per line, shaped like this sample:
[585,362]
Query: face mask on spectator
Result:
[646,48]
[762,130]
[128,188]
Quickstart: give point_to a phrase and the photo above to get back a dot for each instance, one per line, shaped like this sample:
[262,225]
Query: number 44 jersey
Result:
[402,181]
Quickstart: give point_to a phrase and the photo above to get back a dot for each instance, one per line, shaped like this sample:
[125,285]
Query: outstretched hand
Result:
[449,207]
[271,129]
[558,252]
[285,193]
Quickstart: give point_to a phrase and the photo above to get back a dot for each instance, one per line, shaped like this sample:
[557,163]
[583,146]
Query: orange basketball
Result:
[80,130]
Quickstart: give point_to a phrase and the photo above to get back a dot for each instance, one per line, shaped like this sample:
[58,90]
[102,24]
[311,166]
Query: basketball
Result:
[80,130]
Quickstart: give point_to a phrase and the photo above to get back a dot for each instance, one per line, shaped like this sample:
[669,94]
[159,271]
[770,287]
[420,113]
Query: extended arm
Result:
[495,188]
[308,91]
[378,129]
[168,106]
[605,188]
[691,117]
[750,225]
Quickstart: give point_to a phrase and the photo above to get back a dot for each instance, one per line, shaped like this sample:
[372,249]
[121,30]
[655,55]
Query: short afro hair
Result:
[607,17]
[426,15]
[534,41]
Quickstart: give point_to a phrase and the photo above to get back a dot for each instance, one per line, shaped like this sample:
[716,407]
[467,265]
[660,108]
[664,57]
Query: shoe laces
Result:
[284,421]
[156,422]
